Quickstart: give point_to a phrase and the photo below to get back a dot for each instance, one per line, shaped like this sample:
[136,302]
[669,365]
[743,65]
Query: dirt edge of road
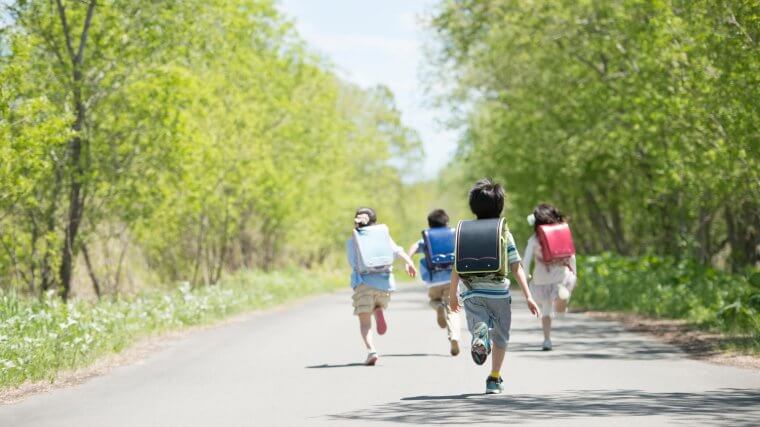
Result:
[134,354]
[697,344]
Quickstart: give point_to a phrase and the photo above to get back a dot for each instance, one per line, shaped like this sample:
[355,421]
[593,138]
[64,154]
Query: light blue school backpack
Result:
[373,249]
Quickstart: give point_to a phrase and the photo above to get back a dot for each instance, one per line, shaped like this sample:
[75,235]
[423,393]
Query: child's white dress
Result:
[547,278]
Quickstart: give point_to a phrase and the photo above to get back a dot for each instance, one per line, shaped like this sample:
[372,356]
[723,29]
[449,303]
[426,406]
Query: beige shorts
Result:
[367,299]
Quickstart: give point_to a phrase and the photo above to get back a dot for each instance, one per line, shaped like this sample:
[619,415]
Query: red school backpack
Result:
[556,242]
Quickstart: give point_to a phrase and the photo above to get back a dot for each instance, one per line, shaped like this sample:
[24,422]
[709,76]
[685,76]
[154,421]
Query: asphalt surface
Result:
[301,365]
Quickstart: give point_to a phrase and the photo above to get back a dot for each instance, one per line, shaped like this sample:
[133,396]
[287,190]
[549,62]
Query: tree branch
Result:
[85,31]
[732,20]
[47,37]
[66,30]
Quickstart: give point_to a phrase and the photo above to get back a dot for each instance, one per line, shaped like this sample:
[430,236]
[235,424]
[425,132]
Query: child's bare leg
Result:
[560,305]
[452,323]
[365,327]
[497,358]
[546,323]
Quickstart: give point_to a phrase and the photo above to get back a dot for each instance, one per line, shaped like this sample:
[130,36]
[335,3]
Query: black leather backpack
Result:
[480,251]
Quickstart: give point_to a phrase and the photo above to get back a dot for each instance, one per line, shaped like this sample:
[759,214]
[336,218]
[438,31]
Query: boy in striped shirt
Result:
[487,302]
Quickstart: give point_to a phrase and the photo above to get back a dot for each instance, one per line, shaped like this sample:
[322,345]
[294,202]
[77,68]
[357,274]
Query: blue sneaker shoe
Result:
[494,385]
[481,344]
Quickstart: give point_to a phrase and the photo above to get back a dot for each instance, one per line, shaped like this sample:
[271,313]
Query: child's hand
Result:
[533,307]
[411,271]
[454,304]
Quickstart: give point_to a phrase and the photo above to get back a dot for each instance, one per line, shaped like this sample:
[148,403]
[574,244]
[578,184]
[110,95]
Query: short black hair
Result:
[547,214]
[486,199]
[438,218]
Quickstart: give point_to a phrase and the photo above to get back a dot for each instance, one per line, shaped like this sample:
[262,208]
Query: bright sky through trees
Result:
[379,43]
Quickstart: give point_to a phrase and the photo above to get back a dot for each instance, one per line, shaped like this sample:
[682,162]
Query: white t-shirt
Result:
[544,274]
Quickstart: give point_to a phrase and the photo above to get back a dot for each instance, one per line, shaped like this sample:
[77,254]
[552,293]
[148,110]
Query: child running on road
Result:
[551,283]
[437,282]
[487,301]
[372,284]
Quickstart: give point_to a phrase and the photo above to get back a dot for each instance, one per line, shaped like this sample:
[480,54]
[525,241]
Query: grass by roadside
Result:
[705,299]
[40,338]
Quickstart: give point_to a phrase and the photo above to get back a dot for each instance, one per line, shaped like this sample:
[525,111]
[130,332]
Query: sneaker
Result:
[371,359]
[494,385]
[454,347]
[441,316]
[547,345]
[481,345]
[382,327]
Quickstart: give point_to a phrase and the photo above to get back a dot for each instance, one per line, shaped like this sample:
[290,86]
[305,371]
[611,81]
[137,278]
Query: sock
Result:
[495,374]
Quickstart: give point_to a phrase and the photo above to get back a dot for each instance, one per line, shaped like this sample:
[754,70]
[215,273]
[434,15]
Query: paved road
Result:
[297,366]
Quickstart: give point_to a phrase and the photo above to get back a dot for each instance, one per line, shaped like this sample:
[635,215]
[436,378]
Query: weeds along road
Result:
[300,366]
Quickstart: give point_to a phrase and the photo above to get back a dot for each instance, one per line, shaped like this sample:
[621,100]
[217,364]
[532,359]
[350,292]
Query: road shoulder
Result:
[696,343]
[134,354]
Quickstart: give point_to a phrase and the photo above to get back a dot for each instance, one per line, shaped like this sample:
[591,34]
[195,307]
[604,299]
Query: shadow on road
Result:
[349,365]
[723,406]
[345,365]
[595,340]
[620,349]
[416,355]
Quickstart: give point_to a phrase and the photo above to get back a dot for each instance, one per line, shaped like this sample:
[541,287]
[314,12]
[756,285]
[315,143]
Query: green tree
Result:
[624,113]
[199,136]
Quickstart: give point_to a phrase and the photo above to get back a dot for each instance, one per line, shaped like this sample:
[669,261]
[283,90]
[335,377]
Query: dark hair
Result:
[547,214]
[438,218]
[365,211]
[486,199]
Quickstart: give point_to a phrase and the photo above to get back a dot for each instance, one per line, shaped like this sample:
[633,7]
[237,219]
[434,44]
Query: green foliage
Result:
[638,118]
[664,287]
[39,338]
[201,136]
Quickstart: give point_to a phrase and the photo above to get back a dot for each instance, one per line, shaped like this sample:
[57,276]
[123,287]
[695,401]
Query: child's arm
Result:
[410,270]
[351,254]
[454,292]
[413,249]
[519,274]
[528,257]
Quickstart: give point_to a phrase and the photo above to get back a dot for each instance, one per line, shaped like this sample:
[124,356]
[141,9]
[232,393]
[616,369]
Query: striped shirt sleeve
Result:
[513,256]
[420,247]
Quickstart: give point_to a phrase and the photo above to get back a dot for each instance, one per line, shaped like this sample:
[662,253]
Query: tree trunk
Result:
[46,270]
[119,265]
[76,208]
[743,235]
[91,271]
[33,250]
[604,230]
[704,236]
[198,248]
[223,249]
[74,160]
[619,230]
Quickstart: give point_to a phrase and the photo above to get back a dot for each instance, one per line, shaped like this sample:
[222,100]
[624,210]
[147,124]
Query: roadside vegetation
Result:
[41,337]
[666,288]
